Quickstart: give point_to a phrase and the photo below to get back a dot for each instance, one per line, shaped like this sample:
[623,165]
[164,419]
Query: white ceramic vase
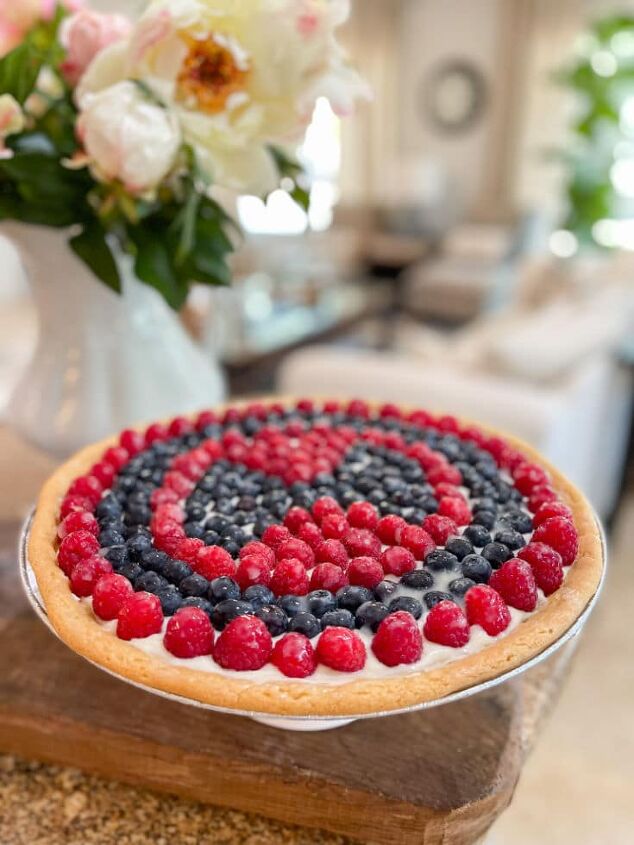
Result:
[102,361]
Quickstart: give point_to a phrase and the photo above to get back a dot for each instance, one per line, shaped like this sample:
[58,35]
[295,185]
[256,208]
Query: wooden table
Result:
[440,776]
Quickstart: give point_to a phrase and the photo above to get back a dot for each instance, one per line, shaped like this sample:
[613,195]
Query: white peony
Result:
[238,74]
[129,138]
[11,122]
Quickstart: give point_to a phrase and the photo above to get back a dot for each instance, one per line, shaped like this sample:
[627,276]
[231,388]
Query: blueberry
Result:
[108,508]
[485,519]
[137,545]
[518,521]
[320,602]
[350,598]
[223,588]
[306,624]
[194,585]
[111,537]
[170,600]
[201,604]
[477,535]
[138,514]
[418,579]
[225,611]
[441,559]
[459,546]
[150,582]
[232,547]
[194,529]
[385,589]
[408,604]
[434,597]
[371,613]
[274,618]
[117,555]
[258,595]
[338,619]
[154,561]
[460,586]
[291,605]
[176,570]
[130,570]
[496,554]
[508,537]
[216,523]
[195,513]
[477,568]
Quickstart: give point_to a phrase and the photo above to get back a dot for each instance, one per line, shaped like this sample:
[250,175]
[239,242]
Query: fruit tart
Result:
[312,558]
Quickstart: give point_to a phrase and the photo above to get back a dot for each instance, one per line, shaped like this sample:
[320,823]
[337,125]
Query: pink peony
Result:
[18,16]
[85,34]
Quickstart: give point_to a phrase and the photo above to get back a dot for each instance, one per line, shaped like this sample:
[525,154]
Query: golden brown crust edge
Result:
[76,626]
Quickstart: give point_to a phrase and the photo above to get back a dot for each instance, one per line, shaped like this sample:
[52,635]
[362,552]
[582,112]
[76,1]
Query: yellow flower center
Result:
[210,75]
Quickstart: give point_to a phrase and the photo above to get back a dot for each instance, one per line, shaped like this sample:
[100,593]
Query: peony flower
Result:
[129,138]
[238,75]
[85,34]
[11,122]
[18,16]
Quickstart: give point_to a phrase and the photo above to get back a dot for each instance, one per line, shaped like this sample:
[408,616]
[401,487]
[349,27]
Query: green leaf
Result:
[92,247]
[19,70]
[301,197]
[153,264]
[185,222]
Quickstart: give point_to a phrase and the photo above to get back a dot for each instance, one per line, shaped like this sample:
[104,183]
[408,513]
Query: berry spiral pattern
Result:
[300,536]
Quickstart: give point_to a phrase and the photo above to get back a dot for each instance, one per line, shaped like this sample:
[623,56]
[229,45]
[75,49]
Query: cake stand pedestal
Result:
[439,775]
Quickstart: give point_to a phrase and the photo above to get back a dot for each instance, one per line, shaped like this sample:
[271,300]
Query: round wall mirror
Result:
[454,96]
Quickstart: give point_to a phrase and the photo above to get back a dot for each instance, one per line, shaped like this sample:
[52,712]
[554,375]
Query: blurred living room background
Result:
[467,242]
[469,247]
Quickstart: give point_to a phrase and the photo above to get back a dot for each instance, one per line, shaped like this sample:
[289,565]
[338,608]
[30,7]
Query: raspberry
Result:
[341,649]
[486,607]
[71,504]
[214,562]
[398,640]
[550,509]
[253,570]
[140,616]
[546,565]
[446,489]
[86,573]
[444,471]
[515,582]
[188,549]
[274,535]
[362,543]
[116,456]
[155,433]
[539,496]
[189,633]
[441,528]
[334,526]
[204,419]
[75,547]
[132,441]
[295,518]
[448,424]
[294,656]
[388,527]
[327,576]
[244,645]
[561,535]
[289,578]
[104,473]
[179,426]
[332,551]
[362,515]
[398,560]
[455,508]
[256,549]
[310,533]
[88,487]
[528,476]
[365,572]
[297,549]
[306,406]
[78,521]
[446,624]
[175,480]
[417,540]
[109,595]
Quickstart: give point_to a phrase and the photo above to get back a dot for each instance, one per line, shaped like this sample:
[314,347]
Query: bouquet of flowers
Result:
[122,131]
